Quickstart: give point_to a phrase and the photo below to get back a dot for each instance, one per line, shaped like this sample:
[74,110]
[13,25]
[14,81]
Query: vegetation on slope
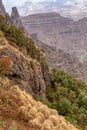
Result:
[16,37]
[69,96]
[19,111]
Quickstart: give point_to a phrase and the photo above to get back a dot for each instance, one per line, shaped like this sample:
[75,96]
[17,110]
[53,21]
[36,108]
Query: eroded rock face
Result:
[27,72]
[55,30]
[62,60]
[15,17]
[65,41]
[2,9]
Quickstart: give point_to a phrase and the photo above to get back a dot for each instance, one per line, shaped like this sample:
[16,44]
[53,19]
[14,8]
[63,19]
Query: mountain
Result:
[62,60]
[67,8]
[24,72]
[68,37]
[58,31]
[73,9]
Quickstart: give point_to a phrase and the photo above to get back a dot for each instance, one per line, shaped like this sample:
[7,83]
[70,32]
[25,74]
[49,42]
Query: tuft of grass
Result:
[2,123]
[13,128]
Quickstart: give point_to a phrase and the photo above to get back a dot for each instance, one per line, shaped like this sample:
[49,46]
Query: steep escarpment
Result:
[63,60]
[64,40]
[28,62]
[55,30]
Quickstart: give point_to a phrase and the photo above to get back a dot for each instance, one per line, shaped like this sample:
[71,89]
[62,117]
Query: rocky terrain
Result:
[63,60]
[28,71]
[61,55]
[68,37]
[23,72]
[55,30]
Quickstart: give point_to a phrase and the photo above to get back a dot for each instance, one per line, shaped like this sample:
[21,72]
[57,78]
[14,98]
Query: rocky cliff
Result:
[60,59]
[55,30]
[64,40]
[29,73]
[2,9]
[15,17]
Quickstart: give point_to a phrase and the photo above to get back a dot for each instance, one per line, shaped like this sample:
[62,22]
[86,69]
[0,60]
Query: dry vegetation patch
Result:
[16,105]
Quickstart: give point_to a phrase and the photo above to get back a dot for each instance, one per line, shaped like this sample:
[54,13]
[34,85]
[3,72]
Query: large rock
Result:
[15,17]
[27,72]
[2,9]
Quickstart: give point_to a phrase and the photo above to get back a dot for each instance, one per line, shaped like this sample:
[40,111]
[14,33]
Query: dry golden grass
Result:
[20,111]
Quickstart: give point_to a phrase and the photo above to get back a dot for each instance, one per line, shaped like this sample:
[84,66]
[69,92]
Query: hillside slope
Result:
[29,67]
[19,111]
[61,59]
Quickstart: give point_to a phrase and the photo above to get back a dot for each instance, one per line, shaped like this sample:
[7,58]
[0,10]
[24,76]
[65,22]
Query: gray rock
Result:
[2,9]
[28,73]
[15,17]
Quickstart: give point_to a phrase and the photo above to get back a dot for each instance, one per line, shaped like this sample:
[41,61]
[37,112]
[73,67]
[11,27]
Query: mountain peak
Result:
[15,17]
[2,9]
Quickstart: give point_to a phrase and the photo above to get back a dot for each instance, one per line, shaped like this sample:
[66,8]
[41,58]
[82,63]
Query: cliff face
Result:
[64,40]
[2,9]
[15,17]
[63,60]
[27,72]
[55,30]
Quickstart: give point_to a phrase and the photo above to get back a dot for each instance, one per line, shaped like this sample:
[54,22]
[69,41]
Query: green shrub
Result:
[64,107]
[16,37]
[68,95]
[82,97]
[2,123]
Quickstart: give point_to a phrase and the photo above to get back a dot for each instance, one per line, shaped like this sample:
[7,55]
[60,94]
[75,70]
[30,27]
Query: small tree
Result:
[64,107]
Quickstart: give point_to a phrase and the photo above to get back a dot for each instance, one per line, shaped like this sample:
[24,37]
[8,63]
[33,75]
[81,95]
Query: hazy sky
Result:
[20,2]
[71,6]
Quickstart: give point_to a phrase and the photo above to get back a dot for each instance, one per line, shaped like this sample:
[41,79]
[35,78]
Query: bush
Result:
[82,97]
[64,107]
[68,95]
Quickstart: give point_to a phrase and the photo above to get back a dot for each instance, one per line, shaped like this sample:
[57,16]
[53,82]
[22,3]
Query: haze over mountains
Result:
[74,9]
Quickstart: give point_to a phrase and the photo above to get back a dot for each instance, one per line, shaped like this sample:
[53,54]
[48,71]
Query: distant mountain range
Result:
[74,9]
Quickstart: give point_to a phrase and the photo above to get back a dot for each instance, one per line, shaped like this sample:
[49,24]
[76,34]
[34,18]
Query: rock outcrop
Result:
[30,74]
[2,9]
[15,17]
